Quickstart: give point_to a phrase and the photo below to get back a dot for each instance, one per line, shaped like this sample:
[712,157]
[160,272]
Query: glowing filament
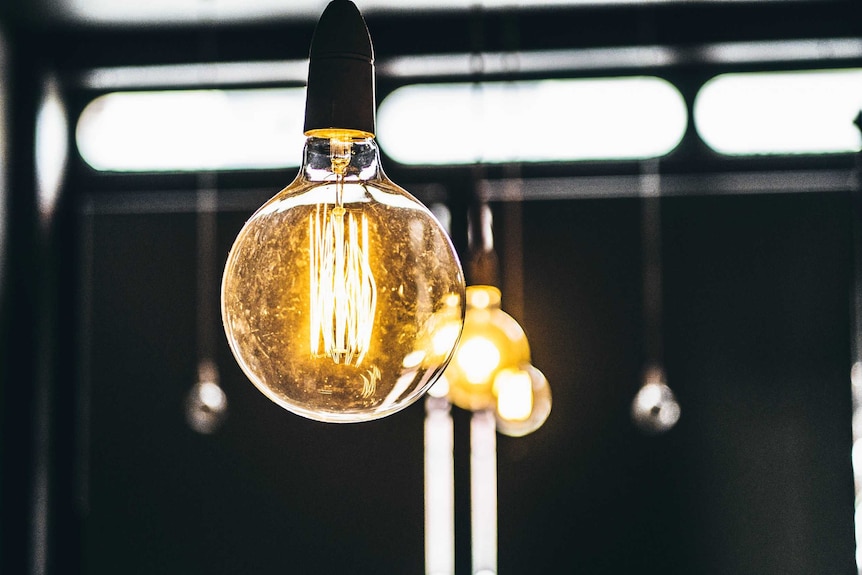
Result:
[343,291]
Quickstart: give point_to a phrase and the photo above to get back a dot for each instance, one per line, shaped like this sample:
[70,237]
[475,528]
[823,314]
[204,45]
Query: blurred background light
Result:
[532,121]
[800,112]
[51,147]
[188,130]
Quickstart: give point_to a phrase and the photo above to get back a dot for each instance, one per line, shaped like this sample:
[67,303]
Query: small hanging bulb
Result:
[655,409]
[491,370]
[206,402]
[523,400]
[342,297]
[491,341]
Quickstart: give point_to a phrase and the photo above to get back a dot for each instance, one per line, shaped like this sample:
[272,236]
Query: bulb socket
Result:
[341,81]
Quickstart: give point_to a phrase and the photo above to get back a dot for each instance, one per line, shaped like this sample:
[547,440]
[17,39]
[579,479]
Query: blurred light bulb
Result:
[491,341]
[478,359]
[655,409]
[513,389]
[492,368]
[206,402]
[342,297]
[523,400]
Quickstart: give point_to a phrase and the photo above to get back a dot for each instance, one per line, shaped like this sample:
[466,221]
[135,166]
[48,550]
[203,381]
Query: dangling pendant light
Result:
[342,297]
[654,408]
[206,404]
[492,369]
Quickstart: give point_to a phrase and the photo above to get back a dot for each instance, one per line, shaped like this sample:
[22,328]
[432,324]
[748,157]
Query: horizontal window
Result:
[804,112]
[193,130]
[532,121]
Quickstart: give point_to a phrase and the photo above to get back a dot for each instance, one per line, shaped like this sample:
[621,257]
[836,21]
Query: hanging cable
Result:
[654,408]
[856,351]
[206,402]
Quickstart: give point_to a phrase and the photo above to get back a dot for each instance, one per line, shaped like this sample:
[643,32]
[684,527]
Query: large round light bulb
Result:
[342,297]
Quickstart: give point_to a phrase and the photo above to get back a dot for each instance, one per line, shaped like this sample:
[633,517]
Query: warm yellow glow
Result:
[446,337]
[492,370]
[478,357]
[343,291]
[523,400]
[342,296]
[514,391]
[480,299]
[492,340]
[483,297]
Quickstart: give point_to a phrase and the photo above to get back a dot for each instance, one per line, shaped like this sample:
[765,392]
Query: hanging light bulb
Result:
[206,402]
[491,369]
[491,341]
[523,400]
[342,297]
[655,409]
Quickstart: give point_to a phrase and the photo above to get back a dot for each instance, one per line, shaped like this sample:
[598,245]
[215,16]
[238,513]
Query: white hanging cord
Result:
[439,488]
[483,491]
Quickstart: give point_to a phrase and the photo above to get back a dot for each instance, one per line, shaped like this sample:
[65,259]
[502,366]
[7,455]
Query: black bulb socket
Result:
[341,81]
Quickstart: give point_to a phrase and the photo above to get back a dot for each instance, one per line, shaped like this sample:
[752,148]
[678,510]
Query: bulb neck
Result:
[352,155]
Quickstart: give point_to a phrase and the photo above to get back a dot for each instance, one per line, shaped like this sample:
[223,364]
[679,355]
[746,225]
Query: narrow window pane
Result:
[808,112]
[532,121]
[193,130]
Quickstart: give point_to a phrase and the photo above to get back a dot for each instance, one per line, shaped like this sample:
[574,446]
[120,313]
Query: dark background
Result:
[100,474]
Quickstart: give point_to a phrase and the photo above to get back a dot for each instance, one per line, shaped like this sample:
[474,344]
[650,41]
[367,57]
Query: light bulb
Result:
[491,341]
[655,409]
[342,297]
[514,392]
[523,400]
[206,402]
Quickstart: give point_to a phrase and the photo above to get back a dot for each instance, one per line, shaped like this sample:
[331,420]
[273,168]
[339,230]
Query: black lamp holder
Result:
[341,82]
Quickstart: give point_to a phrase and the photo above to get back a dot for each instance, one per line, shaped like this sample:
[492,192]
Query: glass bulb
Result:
[206,402]
[655,409]
[523,400]
[342,297]
[491,341]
